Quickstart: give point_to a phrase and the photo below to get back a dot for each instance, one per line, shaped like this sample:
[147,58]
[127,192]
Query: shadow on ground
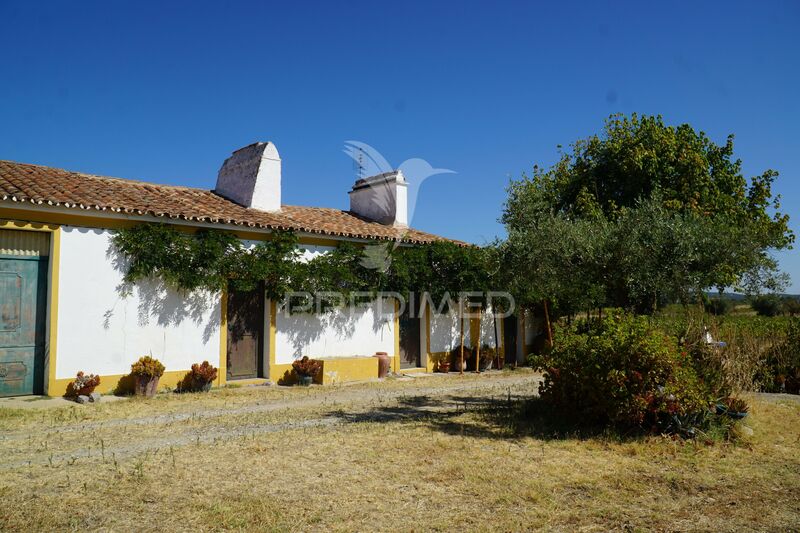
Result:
[503,418]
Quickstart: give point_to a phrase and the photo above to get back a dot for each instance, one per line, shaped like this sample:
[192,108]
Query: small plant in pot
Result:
[732,407]
[488,354]
[455,358]
[202,376]
[306,369]
[441,362]
[146,373]
[83,385]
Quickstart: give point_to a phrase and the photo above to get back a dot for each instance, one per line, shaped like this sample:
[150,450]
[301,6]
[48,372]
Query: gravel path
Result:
[72,441]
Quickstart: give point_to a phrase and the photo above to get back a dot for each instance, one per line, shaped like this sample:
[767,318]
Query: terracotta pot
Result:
[383,364]
[86,391]
[202,386]
[146,386]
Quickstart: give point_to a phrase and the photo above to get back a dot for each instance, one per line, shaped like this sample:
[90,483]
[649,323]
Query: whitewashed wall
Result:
[446,333]
[491,332]
[103,332]
[340,333]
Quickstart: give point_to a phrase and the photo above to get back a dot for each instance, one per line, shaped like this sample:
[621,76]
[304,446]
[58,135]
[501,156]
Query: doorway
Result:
[245,334]
[409,340]
[23,306]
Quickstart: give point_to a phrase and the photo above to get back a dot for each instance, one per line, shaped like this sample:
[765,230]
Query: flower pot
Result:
[444,366]
[202,386]
[146,386]
[305,381]
[383,364]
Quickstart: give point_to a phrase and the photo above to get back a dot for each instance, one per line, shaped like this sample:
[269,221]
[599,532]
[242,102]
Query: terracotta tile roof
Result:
[39,185]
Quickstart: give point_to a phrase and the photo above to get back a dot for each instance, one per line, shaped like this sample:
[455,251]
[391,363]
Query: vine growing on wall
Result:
[214,260]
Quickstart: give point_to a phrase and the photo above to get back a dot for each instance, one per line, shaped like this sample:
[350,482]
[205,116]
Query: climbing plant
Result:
[208,259]
[214,260]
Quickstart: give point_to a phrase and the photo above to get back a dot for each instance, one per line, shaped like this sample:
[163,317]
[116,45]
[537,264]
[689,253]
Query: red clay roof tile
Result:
[23,182]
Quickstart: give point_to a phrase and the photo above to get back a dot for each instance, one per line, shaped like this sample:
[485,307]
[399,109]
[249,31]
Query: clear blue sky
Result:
[164,91]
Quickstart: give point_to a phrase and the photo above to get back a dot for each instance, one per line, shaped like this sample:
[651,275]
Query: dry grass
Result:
[420,455]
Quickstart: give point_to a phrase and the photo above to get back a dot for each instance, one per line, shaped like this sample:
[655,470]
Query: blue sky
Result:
[164,91]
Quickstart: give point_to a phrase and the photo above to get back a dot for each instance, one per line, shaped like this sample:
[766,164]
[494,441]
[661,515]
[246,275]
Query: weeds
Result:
[436,458]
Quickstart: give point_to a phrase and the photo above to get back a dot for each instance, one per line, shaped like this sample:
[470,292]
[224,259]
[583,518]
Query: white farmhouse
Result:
[64,308]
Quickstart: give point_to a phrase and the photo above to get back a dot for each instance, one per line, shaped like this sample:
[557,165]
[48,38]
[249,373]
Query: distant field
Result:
[435,453]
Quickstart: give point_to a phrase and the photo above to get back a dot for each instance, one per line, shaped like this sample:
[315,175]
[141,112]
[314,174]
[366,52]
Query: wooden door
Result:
[245,334]
[23,299]
[510,338]
[409,340]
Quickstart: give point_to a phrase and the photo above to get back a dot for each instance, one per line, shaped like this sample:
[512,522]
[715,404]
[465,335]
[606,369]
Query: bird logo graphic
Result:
[369,162]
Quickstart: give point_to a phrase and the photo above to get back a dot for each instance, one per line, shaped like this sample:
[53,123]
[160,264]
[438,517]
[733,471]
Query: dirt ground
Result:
[411,454]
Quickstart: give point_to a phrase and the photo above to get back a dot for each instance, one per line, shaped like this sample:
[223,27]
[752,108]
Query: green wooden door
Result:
[22,319]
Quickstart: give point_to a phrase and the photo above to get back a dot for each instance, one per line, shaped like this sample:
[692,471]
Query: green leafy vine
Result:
[215,260]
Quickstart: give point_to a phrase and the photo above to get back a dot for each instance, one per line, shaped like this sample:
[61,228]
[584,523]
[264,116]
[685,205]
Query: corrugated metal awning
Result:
[24,243]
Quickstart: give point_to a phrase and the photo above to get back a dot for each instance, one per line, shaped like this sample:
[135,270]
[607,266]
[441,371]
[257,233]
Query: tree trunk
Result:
[548,327]
[461,320]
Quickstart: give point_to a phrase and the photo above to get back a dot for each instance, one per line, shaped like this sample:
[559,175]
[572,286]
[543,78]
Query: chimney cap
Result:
[251,177]
[269,151]
[385,177]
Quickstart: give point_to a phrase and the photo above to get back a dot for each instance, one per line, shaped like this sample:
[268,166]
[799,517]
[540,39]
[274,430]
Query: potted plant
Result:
[83,385]
[455,358]
[488,354]
[384,362]
[732,407]
[146,373]
[202,376]
[441,362]
[306,369]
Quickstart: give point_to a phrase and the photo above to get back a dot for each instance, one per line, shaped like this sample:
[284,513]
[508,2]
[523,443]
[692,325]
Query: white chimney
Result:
[251,177]
[382,198]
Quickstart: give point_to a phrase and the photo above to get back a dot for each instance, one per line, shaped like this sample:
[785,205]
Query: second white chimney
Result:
[251,177]
[382,198]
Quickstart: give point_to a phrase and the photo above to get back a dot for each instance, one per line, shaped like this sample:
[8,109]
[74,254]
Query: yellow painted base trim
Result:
[120,383]
[336,370]
[250,381]
[417,370]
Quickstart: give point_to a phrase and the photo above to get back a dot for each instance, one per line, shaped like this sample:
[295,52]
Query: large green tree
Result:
[641,213]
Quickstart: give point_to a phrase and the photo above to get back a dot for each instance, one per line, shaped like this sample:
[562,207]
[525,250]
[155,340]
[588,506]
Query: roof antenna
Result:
[358,163]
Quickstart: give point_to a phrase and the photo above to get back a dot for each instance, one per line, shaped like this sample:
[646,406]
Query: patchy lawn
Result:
[434,453]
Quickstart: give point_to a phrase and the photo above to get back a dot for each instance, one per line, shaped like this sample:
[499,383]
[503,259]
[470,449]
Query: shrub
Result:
[147,366]
[790,305]
[84,384]
[623,372]
[488,353]
[734,405]
[766,305]
[307,367]
[781,369]
[203,373]
[455,356]
[718,306]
